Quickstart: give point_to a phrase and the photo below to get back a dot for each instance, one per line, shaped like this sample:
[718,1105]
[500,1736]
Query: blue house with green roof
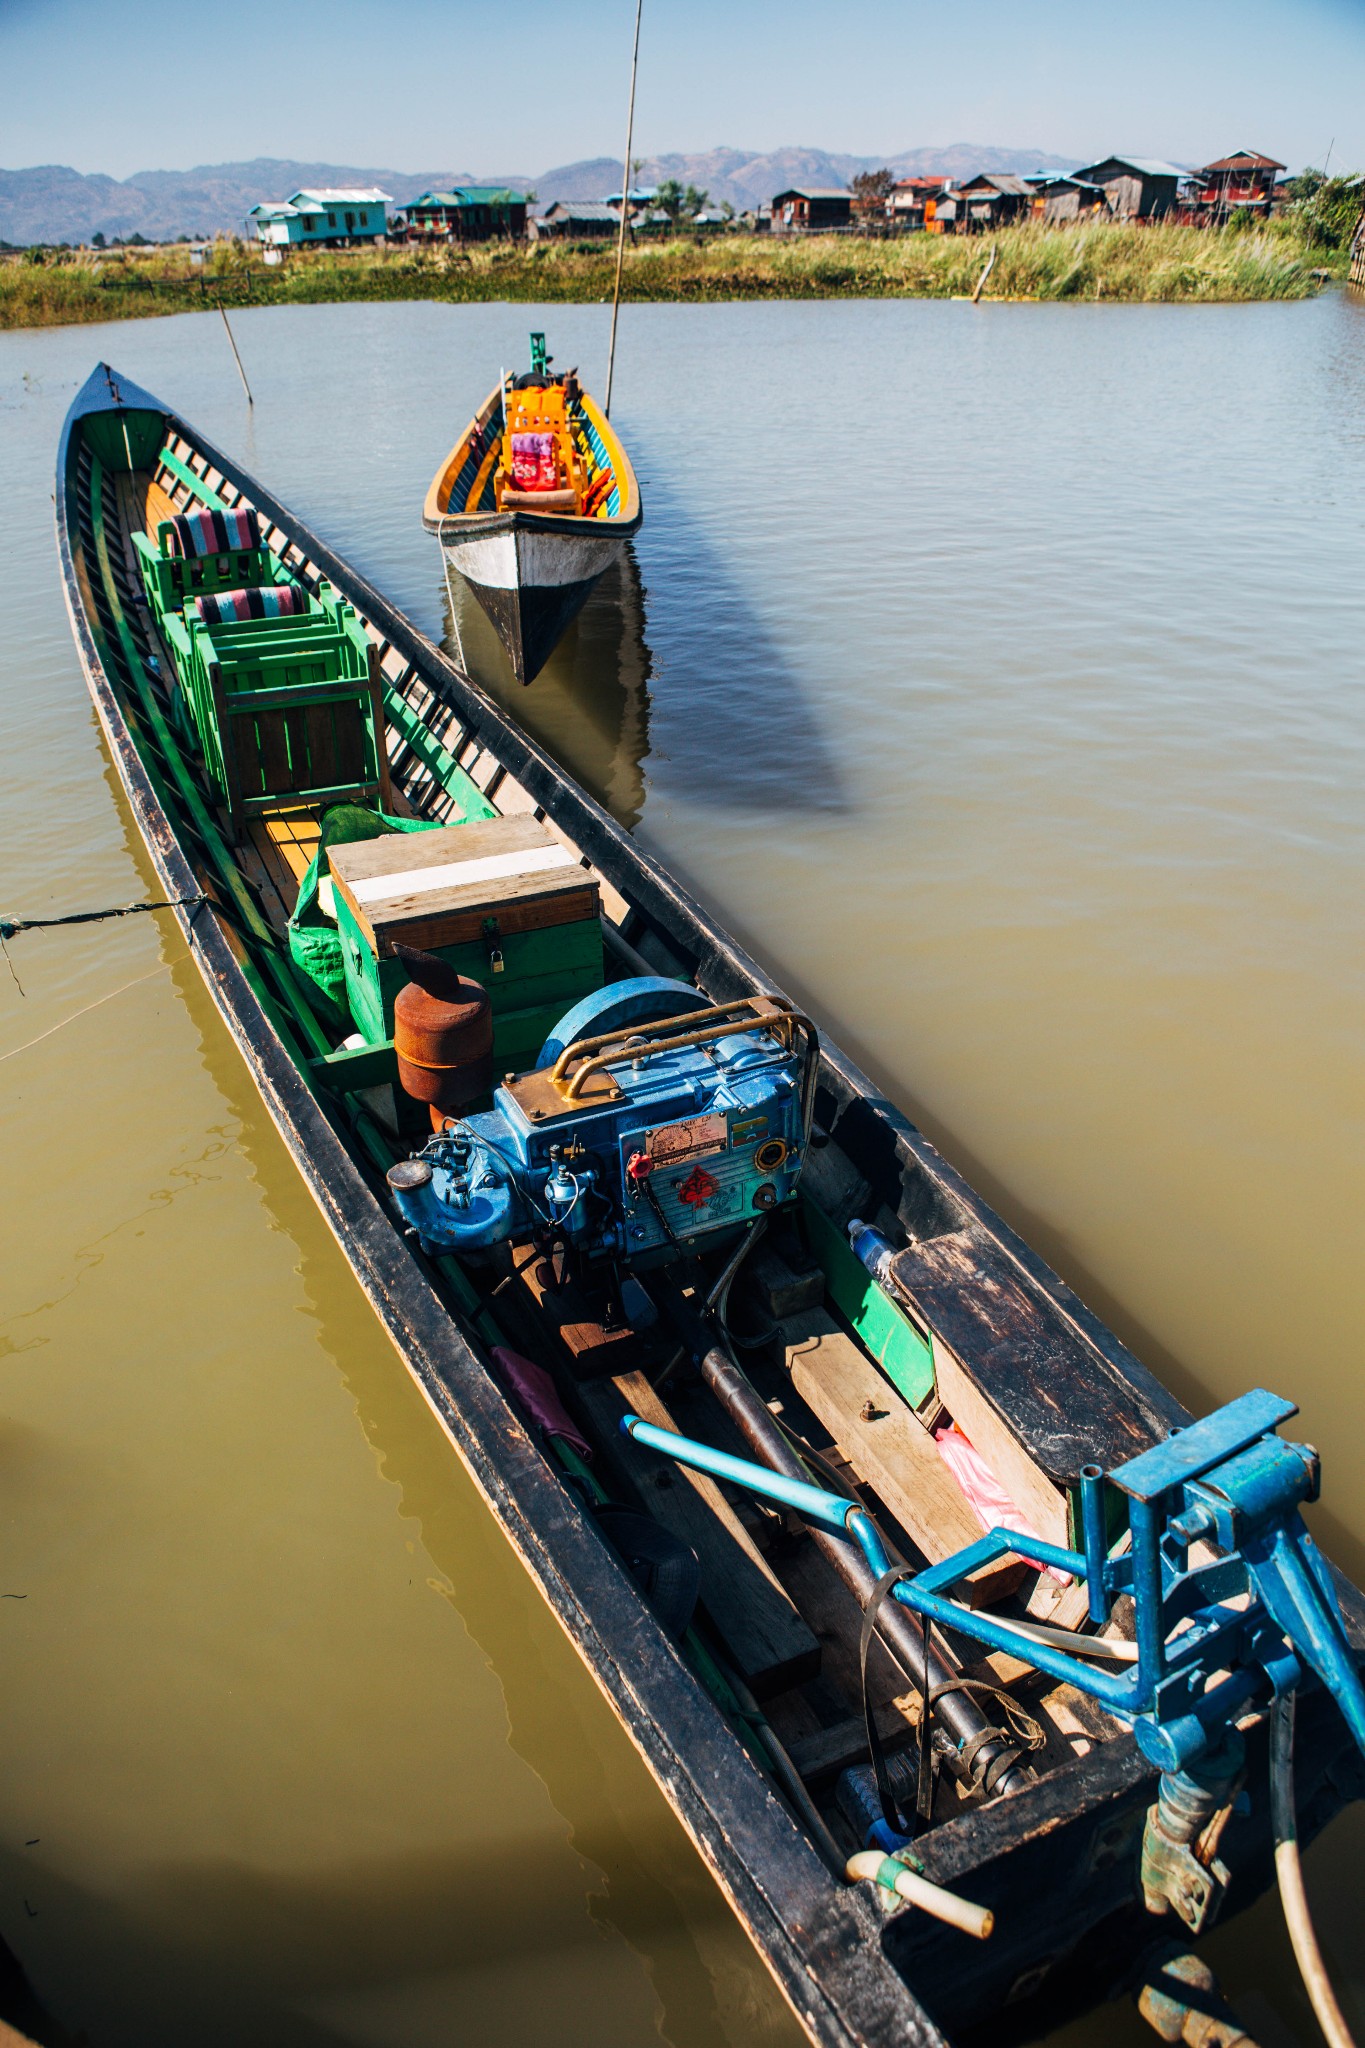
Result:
[468,213]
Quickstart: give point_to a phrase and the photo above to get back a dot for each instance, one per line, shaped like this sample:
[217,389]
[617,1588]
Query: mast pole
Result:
[625,208]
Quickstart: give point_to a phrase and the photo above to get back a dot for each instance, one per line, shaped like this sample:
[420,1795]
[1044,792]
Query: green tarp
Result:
[314,943]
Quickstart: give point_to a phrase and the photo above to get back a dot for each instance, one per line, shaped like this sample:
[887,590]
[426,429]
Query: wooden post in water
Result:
[235,357]
[981,281]
[625,208]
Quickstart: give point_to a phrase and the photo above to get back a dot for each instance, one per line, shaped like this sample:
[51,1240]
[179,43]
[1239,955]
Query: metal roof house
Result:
[1135,187]
[1060,199]
[467,213]
[989,200]
[811,207]
[325,217]
[577,220]
[909,197]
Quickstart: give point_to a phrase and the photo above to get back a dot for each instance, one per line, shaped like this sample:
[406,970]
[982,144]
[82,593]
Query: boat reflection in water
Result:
[590,703]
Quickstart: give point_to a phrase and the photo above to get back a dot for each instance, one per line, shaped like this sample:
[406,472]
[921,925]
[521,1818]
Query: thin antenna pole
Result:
[625,208]
[235,357]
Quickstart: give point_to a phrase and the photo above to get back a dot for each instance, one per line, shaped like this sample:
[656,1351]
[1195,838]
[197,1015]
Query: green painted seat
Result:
[286,702]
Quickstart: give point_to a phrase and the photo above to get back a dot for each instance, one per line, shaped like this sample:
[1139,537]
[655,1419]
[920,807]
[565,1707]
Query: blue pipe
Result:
[830,1510]
[1096,1541]
[1122,1695]
[1148,1593]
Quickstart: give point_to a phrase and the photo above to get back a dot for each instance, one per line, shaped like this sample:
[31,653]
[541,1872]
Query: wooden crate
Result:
[500,898]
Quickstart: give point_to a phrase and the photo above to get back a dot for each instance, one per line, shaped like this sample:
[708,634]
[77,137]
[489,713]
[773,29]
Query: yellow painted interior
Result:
[538,411]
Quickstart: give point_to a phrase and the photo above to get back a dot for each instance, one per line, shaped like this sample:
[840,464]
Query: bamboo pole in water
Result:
[625,208]
[235,357]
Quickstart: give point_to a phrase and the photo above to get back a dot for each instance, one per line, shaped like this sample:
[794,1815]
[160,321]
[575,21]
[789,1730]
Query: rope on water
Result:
[9,926]
[97,1004]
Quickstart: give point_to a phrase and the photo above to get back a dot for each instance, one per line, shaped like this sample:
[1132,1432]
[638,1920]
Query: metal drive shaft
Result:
[958,1712]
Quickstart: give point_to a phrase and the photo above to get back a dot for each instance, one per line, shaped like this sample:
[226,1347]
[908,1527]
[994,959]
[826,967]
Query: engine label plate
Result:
[692,1139]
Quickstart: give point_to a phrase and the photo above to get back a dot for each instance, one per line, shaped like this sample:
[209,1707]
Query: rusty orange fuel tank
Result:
[442,1034]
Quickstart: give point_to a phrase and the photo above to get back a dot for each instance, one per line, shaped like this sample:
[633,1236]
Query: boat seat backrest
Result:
[261,601]
[206,549]
[208,531]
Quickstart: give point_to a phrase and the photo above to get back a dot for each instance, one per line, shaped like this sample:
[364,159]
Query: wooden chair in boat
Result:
[286,697]
[201,552]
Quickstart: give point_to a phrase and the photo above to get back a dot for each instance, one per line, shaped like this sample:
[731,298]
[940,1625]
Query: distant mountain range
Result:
[51,203]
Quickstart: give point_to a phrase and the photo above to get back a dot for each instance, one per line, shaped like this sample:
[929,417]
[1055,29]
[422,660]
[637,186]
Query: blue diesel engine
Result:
[652,1120]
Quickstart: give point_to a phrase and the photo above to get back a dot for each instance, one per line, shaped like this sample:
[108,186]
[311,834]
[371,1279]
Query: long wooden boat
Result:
[534,501]
[723,1623]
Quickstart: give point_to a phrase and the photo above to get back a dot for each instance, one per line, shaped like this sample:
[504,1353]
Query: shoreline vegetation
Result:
[1110,260]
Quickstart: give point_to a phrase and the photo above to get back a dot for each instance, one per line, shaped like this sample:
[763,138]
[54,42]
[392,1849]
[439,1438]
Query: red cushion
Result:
[534,467]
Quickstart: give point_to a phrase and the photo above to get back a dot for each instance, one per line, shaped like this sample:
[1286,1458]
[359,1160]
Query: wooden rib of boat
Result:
[1047,1841]
[534,501]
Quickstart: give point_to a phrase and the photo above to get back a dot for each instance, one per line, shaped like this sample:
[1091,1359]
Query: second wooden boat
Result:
[534,501]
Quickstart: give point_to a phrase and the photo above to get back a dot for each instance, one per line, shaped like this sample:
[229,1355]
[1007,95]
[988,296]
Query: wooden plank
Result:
[1046,1385]
[592,1351]
[831,1750]
[891,1449]
[231,776]
[278,733]
[767,1640]
[158,507]
[1043,1506]
[262,877]
[346,727]
[377,727]
[372,858]
[282,883]
[295,836]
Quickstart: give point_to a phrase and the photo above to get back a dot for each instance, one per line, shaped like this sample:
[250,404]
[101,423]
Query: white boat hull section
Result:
[531,585]
[522,560]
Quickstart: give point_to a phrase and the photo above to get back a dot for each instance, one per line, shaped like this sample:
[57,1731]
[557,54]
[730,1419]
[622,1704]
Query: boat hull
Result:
[1058,1863]
[532,584]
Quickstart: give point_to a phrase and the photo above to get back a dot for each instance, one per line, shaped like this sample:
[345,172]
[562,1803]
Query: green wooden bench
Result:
[288,711]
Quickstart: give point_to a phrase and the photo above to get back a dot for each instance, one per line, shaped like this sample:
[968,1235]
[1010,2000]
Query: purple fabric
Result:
[535,1392]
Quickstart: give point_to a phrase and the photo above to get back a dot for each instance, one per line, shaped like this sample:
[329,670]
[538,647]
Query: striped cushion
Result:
[208,532]
[230,607]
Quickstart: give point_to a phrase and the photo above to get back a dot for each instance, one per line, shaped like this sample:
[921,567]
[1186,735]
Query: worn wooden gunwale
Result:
[849,1974]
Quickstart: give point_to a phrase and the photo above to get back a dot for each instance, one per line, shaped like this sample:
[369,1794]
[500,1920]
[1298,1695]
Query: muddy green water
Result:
[996,674]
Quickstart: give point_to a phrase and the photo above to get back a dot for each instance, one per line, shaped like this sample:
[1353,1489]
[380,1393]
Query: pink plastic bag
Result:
[983,1489]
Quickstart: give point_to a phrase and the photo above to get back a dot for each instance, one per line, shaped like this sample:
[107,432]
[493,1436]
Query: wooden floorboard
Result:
[294,836]
[261,861]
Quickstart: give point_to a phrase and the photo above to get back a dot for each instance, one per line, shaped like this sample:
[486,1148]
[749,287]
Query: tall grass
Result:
[1100,260]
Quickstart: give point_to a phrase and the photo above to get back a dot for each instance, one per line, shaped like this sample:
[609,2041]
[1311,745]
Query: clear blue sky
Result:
[107,85]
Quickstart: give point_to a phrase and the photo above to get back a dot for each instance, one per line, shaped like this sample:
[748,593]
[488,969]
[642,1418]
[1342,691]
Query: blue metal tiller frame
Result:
[1214,1637]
